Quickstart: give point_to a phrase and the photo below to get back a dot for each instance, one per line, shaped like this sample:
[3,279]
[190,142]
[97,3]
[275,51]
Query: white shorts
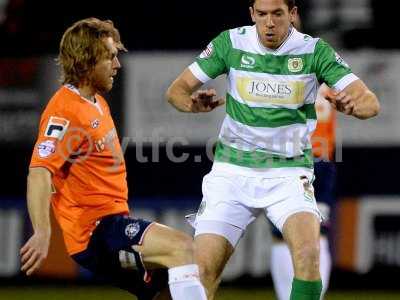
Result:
[234,200]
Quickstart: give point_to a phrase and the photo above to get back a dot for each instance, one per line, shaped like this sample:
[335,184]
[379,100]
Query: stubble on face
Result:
[273,20]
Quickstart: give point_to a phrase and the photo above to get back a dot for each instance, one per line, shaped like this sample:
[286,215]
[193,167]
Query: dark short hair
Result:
[289,3]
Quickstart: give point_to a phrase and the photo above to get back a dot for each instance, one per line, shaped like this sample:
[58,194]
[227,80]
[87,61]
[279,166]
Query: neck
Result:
[278,46]
[87,92]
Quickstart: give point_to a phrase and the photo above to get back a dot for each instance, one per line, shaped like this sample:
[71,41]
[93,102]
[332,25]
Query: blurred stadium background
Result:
[167,153]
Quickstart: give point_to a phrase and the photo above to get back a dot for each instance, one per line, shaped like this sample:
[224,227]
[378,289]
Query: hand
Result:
[341,101]
[203,101]
[34,252]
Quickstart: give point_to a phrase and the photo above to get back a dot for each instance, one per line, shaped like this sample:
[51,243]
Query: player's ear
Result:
[294,15]
[251,10]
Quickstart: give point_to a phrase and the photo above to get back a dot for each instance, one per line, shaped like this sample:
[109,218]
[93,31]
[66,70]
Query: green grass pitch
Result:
[98,293]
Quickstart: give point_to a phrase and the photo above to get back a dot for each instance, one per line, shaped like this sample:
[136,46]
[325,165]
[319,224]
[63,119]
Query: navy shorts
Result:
[110,255]
[324,189]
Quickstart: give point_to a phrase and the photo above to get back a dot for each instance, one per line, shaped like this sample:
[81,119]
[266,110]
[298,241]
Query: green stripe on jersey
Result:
[270,64]
[260,159]
[268,117]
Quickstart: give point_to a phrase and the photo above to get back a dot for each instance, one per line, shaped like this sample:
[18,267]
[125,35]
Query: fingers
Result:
[207,93]
[216,103]
[33,263]
[330,95]
[344,103]
[26,255]
[25,248]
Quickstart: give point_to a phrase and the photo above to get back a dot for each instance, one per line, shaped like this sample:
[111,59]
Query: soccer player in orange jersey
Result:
[78,167]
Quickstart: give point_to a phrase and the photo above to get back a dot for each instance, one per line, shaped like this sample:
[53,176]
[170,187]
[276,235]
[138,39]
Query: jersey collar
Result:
[274,51]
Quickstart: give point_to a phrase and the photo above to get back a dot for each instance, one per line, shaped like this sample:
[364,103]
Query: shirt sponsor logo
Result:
[106,140]
[207,52]
[295,64]
[247,62]
[56,128]
[242,30]
[132,229]
[270,91]
[46,148]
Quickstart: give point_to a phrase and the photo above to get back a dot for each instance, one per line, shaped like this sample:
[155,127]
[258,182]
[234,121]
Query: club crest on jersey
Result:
[46,148]
[308,189]
[56,128]
[132,229]
[295,64]
[207,52]
[95,123]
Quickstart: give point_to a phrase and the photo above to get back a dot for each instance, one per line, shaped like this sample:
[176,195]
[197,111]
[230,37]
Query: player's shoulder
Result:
[241,33]
[65,103]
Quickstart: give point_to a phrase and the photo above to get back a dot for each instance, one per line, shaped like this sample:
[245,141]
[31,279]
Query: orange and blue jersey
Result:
[78,144]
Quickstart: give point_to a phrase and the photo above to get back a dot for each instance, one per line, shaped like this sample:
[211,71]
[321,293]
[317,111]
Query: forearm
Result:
[179,97]
[179,94]
[366,106]
[38,197]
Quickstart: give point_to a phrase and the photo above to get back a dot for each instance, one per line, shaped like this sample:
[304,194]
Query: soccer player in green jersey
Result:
[263,161]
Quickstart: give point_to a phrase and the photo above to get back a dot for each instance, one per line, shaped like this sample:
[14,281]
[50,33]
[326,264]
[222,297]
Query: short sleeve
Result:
[330,67]
[60,140]
[212,62]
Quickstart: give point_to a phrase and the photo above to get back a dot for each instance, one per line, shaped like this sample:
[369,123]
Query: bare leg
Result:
[167,247]
[301,232]
[212,252]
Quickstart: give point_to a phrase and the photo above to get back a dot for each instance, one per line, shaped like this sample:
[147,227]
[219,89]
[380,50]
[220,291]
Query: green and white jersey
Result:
[270,95]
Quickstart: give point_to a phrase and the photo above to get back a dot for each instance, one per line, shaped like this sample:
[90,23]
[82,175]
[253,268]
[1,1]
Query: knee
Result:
[182,251]
[306,256]
[209,275]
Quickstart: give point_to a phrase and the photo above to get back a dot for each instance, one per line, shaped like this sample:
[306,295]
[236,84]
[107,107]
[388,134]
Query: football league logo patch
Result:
[56,128]
[340,60]
[131,230]
[46,148]
[207,52]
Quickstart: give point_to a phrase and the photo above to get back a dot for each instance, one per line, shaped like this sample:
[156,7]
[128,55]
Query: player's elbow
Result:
[39,177]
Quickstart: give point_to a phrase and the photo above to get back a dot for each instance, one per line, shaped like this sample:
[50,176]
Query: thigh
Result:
[300,198]
[212,252]
[223,201]
[300,229]
[111,254]
[163,246]
[122,269]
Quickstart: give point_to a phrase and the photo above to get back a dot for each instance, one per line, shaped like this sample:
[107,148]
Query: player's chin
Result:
[106,87]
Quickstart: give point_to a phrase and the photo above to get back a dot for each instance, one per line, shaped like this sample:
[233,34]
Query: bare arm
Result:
[39,191]
[181,94]
[356,100]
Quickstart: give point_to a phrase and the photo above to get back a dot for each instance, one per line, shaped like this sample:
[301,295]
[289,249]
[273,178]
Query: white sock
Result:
[282,268]
[325,266]
[184,283]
